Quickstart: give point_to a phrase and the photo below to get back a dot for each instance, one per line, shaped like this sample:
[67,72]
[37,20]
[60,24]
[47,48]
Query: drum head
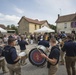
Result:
[35,57]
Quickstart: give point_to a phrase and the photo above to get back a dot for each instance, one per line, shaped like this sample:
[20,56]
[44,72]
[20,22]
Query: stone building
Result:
[66,23]
[29,25]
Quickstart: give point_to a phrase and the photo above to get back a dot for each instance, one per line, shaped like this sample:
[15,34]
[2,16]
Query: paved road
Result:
[29,69]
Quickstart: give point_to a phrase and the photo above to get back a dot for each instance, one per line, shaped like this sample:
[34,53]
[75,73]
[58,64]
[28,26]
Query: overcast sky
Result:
[12,10]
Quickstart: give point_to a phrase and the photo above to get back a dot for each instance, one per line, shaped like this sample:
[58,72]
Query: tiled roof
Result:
[66,18]
[36,21]
[2,26]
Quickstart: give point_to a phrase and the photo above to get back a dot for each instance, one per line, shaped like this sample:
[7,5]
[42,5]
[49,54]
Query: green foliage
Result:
[8,27]
[53,27]
[12,27]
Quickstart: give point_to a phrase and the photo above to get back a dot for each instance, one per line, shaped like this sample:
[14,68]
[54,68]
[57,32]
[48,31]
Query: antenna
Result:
[60,11]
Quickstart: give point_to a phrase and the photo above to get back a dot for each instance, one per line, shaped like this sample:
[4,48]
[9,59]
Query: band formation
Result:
[51,49]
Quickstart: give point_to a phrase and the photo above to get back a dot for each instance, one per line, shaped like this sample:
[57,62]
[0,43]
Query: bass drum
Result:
[35,57]
[40,47]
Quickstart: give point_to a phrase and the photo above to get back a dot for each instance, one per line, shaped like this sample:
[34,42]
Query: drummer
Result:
[53,58]
[22,45]
[2,62]
[44,43]
[12,58]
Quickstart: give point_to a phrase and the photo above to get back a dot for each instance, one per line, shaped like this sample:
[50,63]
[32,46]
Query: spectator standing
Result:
[31,38]
[70,57]
[5,39]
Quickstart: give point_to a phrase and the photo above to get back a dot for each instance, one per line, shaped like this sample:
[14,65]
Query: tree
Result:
[12,27]
[8,27]
[53,27]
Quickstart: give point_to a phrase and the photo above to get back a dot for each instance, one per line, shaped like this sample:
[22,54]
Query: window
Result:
[73,24]
[40,26]
[10,31]
[35,27]
[65,25]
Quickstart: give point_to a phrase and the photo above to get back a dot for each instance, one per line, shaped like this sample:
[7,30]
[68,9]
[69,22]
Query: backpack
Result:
[3,51]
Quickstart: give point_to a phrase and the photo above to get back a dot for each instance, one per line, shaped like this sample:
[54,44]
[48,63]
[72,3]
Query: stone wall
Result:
[23,26]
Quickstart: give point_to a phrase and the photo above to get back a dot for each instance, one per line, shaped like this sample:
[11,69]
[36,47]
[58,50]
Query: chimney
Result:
[36,19]
[58,15]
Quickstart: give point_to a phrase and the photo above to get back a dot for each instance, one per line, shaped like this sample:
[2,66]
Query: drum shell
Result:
[22,54]
[42,48]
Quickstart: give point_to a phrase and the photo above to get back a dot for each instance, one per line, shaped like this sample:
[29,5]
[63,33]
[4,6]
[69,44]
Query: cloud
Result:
[51,8]
[38,9]
[54,5]
[18,10]
[9,19]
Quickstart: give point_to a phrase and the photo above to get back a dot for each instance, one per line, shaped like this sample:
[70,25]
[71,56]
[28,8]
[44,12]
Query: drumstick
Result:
[39,50]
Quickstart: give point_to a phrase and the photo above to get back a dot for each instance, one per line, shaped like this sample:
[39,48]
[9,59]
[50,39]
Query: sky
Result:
[11,11]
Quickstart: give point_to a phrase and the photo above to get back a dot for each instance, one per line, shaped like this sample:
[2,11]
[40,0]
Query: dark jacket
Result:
[22,44]
[10,54]
[44,43]
[70,48]
[55,53]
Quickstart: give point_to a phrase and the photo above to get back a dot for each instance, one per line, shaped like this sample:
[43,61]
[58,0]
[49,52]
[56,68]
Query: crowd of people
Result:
[63,51]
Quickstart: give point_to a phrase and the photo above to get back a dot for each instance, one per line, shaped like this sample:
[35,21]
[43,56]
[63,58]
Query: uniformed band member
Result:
[53,57]
[12,58]
[22,45]
[3,64]
[44,43]
[2,60]
[70,57]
